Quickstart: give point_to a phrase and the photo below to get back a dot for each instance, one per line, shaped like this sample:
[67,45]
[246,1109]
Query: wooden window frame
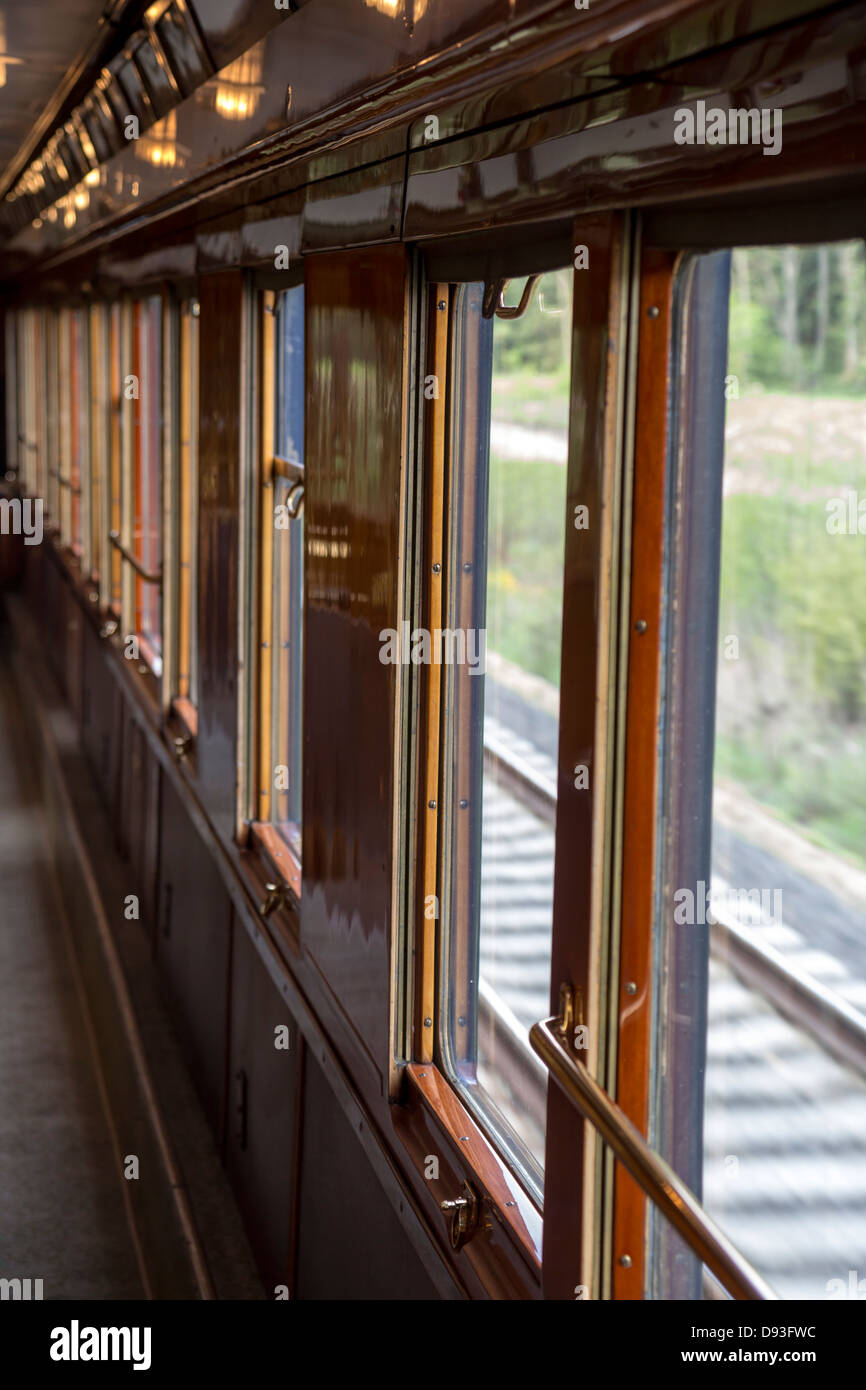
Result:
[113,590]
[99,449]
[180,347]
[575,1206]
[133,572]
[279,854]
[62,465]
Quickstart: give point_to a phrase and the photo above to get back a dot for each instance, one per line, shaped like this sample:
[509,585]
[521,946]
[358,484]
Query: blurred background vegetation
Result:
[798,318]
[792,707]
[526,532]
[791,723]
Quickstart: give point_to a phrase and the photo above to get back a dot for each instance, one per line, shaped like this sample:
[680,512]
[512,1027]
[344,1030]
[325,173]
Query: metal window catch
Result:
[464,1216]
[277,896]
[295,501]
[182,745]
[493,301]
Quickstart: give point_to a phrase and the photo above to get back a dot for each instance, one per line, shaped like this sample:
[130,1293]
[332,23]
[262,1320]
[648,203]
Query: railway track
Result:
[785,1082]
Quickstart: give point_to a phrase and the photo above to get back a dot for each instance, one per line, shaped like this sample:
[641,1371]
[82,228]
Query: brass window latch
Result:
[464,1216]
[277,896]
[182,745]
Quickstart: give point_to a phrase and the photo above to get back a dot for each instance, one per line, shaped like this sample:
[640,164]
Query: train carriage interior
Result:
[433,651]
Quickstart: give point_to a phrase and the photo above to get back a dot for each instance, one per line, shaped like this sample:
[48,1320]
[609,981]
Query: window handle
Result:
[182,745]
[277,896]
[464,1216]
[295,501]
[493,302]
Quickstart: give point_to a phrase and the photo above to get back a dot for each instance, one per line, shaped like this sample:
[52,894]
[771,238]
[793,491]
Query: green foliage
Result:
[798,317]
[538,343]
[526,531]
[821,794]
[795,734]
[526,538]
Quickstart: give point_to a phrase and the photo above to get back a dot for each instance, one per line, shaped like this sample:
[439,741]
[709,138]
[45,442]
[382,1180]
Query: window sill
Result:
[186,715]
[484,1167]
[181,731]
[278,854]
[268,860]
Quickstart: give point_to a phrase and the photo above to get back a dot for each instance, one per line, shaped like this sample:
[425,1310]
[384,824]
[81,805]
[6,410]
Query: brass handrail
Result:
[149,576]
[658,1180]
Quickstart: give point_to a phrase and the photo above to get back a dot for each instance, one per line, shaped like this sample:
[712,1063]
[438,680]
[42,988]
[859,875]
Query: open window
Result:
[759,1047]
[180,520]
[498,653]
[139,542]
[278,793]
[73,391]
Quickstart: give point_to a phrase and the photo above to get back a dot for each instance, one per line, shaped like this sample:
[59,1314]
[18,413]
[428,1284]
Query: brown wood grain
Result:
[641,752]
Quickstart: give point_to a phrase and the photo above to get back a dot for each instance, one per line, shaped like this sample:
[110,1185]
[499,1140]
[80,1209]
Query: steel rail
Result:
[807,1003]
[516,775]
[835,1024]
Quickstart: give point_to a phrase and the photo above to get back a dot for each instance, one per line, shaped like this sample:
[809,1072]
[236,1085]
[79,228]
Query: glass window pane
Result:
[781,902]
[508,514]
[288,568]
[289,432]
[148,537]
[115,373]
[187,676]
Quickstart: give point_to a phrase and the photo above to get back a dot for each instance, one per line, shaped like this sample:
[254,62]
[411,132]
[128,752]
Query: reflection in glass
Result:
[510,451]
[238,88]
[781,901]
[288,577]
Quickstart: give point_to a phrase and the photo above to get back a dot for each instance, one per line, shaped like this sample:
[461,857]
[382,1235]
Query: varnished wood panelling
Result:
[350,1241]
[220,297]
[98,700]
[597,354]
[71,638]
[641,772]
[354,442]
[261,1137]
[193,949]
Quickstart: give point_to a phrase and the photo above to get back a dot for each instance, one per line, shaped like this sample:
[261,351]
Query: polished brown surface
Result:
[564,132]
[192,934]
[354,431]
[641,769]
[220,298]
[597,358]
[261,1141]
[475,1154]
[36,52]
[612,148]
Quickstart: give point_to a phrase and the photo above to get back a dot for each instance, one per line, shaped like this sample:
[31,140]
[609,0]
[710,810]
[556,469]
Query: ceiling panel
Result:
[38,42]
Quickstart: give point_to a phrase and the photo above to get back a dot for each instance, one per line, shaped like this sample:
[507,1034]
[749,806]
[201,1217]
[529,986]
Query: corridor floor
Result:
[62,1214]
